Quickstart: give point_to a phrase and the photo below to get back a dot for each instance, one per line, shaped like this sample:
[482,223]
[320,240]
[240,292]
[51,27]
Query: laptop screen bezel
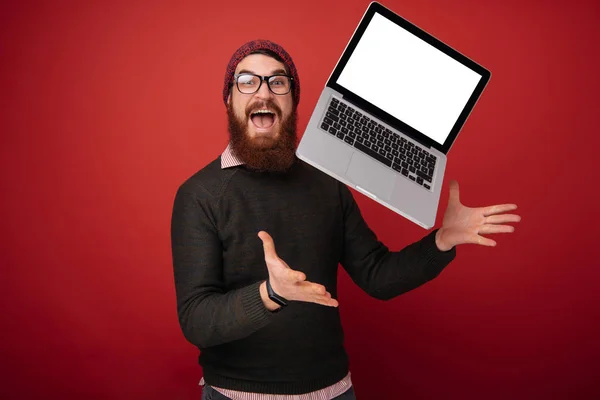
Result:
[373,8]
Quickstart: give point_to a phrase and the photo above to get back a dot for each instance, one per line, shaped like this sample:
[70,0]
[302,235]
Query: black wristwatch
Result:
[275,297]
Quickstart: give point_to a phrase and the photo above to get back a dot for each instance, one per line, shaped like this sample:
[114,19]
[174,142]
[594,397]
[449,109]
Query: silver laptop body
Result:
[389,113]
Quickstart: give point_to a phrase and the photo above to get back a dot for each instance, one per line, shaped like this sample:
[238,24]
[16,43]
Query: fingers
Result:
[502,219]
[498,209]
[483,241]
[487,229]
[315,293]
[295,276]
[325,300]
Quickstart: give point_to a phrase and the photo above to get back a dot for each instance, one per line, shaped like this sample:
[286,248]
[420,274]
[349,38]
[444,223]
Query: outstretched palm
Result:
[463,224]
[289,283]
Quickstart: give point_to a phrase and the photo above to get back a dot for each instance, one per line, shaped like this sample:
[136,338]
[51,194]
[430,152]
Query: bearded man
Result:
[266,320]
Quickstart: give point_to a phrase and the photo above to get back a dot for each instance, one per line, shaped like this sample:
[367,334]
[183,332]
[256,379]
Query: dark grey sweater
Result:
[219,264]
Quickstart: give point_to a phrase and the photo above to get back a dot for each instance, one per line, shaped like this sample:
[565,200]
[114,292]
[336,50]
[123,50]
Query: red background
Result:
[108,106]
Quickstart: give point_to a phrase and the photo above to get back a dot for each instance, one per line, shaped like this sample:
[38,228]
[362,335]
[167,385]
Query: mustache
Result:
[259,105]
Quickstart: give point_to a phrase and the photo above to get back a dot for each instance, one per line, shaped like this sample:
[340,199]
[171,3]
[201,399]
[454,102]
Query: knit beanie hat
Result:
[261,45]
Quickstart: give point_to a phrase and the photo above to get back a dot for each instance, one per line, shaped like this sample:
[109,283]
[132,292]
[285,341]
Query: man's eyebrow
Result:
[274,72]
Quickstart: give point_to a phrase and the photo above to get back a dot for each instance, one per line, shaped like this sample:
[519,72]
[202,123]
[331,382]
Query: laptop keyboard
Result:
[379,142]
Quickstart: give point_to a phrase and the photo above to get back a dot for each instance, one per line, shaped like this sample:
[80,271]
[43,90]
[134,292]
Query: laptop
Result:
[390,112]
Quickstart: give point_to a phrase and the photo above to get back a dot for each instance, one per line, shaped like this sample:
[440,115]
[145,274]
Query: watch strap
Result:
[275,297]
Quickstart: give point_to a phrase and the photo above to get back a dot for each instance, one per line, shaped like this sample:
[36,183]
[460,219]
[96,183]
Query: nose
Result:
[264,92]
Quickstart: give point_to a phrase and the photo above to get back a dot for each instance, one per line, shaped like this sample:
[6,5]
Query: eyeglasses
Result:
[250,83]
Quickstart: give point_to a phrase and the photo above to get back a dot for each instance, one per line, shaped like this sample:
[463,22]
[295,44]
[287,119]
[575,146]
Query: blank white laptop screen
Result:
[408,78]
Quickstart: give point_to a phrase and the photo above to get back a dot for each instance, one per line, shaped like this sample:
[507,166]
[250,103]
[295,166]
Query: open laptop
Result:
[389,113]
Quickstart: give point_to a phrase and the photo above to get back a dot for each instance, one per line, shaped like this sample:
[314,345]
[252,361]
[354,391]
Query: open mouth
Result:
[263,119]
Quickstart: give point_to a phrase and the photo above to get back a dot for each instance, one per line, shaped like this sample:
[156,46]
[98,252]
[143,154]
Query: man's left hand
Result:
[463,224]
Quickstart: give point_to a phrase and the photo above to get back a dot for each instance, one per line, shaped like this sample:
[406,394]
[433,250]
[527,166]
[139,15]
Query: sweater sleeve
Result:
[208,314]
[381,273]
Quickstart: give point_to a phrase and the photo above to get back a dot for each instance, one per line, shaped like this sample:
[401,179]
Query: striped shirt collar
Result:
[228,159]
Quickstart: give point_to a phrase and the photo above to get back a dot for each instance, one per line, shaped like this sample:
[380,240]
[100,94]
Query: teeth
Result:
[263,112]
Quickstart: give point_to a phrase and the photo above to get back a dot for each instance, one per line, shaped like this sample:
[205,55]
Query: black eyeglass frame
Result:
[264,79]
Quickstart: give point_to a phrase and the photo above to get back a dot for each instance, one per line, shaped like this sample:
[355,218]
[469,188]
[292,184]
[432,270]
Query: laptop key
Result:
[397,167]
[324,126]
[426,186]
[332,130]
[404,172]
[412,178]
[328,121]
[332,116]
[373,154]
[423,176]
[340,135]
[349,140]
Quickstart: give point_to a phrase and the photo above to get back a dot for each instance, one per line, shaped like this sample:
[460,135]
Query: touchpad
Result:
[371,176]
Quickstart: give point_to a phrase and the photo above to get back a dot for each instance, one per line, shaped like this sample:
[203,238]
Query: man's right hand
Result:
[288,283]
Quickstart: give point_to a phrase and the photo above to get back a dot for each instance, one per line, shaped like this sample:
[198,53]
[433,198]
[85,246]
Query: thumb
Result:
[454,195]
[268,245]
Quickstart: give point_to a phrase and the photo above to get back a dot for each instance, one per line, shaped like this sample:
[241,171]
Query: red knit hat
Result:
[252,46]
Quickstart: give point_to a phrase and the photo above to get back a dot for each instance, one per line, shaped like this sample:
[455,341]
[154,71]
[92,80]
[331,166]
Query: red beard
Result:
[264,153]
